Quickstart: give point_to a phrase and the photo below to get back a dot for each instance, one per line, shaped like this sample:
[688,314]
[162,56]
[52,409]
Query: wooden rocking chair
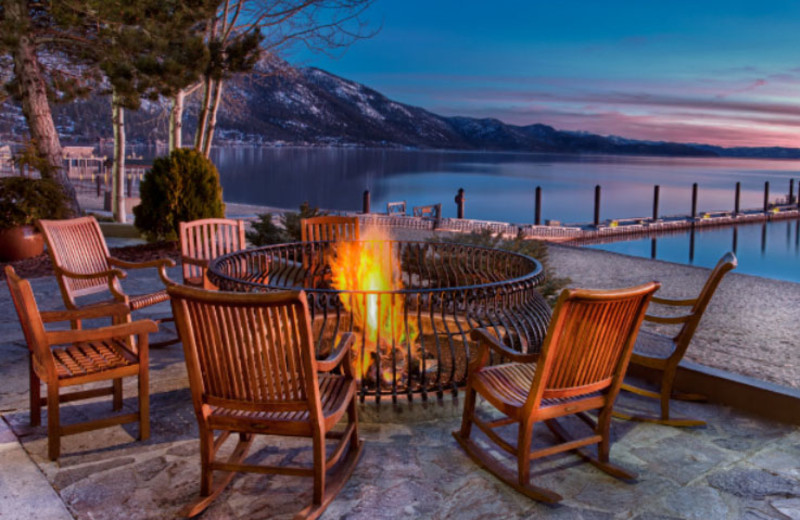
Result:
[663,353]
[252,370]
[85,356]
[329,229]
[580,368]
[83,266]
[206,239]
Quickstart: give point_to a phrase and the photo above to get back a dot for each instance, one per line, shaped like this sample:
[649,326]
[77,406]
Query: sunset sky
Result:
[710,71]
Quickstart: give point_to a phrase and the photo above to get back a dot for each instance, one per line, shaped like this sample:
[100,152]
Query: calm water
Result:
[771,250]
[500,186]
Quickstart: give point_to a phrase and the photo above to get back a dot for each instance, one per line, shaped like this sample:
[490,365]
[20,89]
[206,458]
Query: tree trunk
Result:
[35,106]
[176,121]
[202,118]
[118,173]
[212,118]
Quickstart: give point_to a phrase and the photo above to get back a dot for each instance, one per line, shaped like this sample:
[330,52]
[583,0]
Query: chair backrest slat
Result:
[247,349]
[77,245]
[591,336]
[207,239]
[329,229]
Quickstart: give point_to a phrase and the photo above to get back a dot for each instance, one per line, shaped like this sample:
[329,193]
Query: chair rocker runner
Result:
[83,266]
[253,370]
[580,368]
[65,358]
[206,239]
[664,353]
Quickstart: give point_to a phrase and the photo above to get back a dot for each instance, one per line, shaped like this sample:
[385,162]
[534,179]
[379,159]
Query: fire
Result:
[378,318]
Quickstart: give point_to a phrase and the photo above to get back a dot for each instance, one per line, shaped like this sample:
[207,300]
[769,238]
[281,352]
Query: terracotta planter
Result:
[19,243]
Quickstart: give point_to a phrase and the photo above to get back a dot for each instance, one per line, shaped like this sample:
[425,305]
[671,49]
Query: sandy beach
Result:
[751,327]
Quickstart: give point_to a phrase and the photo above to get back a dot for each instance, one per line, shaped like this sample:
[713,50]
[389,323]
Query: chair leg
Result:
[469,411]
[352,418]
[206,458]
[117,402]
[35,394]
[53,423]
[524,439]
[319,466]
[144,403]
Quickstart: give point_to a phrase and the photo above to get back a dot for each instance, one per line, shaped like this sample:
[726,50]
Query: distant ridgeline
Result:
[314,107]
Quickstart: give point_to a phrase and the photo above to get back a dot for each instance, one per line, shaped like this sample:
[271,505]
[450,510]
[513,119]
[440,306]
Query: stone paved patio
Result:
[739,466]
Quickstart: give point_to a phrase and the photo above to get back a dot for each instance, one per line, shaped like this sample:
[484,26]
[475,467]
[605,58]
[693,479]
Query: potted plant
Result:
[22,202]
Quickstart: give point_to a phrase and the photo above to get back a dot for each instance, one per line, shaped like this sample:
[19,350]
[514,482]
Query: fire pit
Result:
[411,305]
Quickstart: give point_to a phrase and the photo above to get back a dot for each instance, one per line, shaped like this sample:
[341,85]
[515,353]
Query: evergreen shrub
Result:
[266,231]
[179,188]
[24,200]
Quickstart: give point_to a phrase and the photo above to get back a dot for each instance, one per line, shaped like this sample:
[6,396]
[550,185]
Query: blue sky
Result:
[710,71]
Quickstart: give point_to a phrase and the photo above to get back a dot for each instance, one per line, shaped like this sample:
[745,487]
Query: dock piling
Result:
[460,203]
[766,196]
[737,198]
[366,202]
[694,201]
[597,205]
[537,210]
[791,191]
[656,190]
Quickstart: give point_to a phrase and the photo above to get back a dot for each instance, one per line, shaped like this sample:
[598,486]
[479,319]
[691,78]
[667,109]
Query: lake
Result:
[500,186]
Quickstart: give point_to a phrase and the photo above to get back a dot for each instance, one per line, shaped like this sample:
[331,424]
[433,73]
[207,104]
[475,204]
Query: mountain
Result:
[316,108]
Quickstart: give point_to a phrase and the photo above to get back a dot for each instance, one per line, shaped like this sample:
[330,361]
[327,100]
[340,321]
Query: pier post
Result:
[694,201]
[766,196]
[460,203]
[656,190]
[791,191]
[597,205]
[737,198]
[366,201]
[537,210]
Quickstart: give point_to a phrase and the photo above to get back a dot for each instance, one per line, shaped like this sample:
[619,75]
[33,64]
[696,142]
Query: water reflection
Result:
[769,249]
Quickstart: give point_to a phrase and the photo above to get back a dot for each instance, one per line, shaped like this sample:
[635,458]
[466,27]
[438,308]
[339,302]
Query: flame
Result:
[378,318]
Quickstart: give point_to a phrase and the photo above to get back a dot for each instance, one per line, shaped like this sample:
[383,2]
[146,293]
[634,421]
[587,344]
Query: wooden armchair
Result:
[85,356]
[252,370]
[202,241]
[329,228]
[663,353]
[83,265]
[580,368]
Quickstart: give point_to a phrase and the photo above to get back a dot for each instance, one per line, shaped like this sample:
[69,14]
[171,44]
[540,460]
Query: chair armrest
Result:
[653,318]
[339,354]
[670,301]
[60,337]
[95,311]
[159,262]
[109,273]
[202,262]
[486,341]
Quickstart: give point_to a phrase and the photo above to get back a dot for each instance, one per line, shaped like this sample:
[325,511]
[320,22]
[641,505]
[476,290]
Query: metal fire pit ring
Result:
[448,290]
